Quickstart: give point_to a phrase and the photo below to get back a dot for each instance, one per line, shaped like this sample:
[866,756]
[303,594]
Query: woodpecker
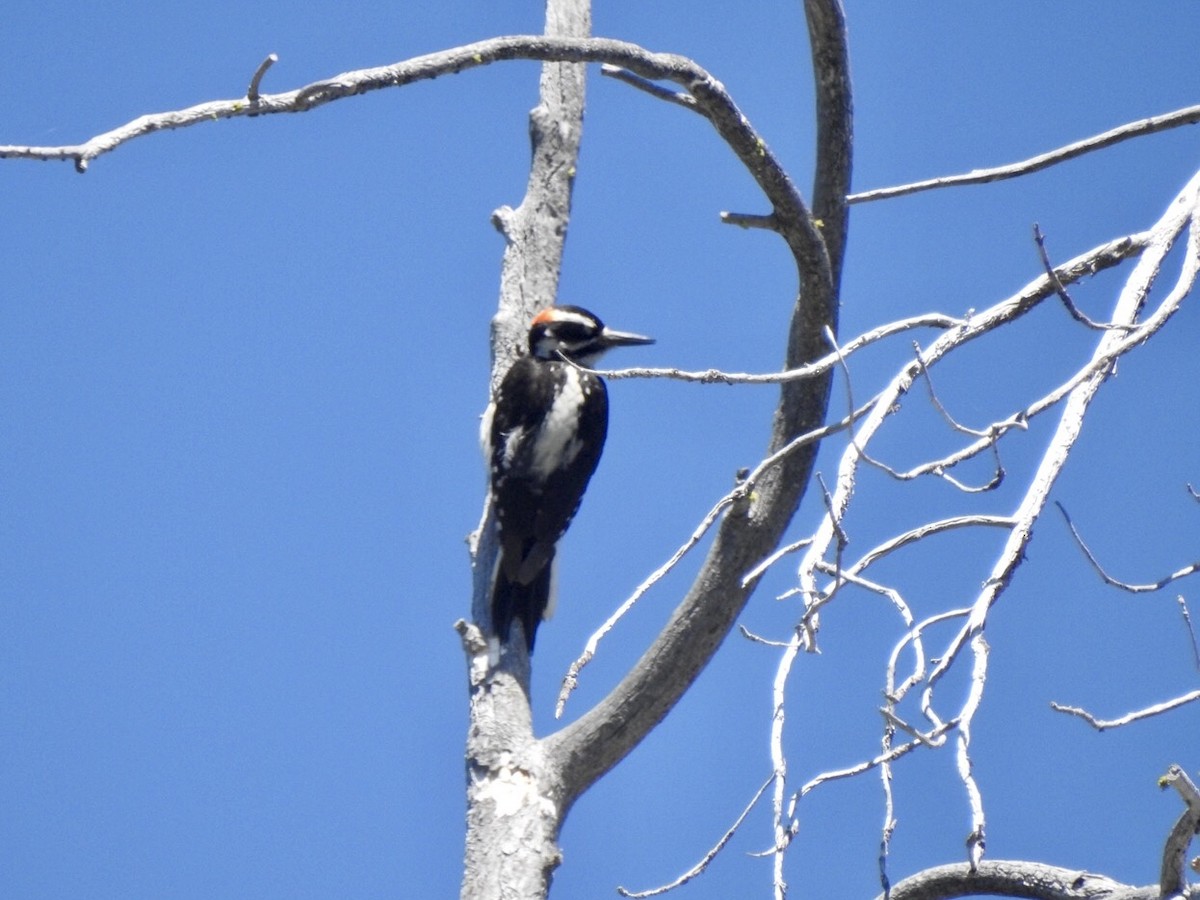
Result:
[543,434]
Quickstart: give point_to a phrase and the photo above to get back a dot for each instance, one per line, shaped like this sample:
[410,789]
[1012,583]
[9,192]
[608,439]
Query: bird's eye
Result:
[571,332]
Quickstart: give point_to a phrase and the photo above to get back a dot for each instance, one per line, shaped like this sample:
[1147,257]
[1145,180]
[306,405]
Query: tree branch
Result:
[1112,344]
[1173,879]
[1144,713]
[708,857]
[888,400]
[1013,878]
[794,222]
[252,93]
[1188,116]
[711,99]
[1124,585]
[1038,881]
[1180,214]
[830,57]
[571,679]
[808,370]
[1075,312]
[751,528]
[655,90]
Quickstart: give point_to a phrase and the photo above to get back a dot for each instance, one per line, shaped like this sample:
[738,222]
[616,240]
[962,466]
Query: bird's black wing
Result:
[534,509]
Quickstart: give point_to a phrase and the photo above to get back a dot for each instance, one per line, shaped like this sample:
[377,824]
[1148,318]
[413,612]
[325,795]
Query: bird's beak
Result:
[623,338]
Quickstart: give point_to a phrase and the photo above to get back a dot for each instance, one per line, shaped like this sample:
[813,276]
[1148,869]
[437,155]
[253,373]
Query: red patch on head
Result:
[546,315]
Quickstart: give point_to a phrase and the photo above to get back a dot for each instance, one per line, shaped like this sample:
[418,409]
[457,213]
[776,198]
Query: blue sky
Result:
[241,368]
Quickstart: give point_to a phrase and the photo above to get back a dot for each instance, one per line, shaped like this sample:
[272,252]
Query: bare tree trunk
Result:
[513,813]
[513,801]
[520,788]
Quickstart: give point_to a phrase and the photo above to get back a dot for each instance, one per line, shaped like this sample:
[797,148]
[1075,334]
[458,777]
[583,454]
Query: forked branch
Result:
[1037,881]
[823,555]
[749,531]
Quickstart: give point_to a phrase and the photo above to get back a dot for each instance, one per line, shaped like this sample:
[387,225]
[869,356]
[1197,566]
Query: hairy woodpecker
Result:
[543,434]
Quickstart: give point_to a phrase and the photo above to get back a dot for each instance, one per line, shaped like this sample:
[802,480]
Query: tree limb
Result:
[1144,713]
[1038,881]
[708,857]
[1187,570]
[752,528]
[1014,878]
[1154,246]
[1173,879]
[1188,116]
[888,400]
[1180,214]
[252,93]
[808,370]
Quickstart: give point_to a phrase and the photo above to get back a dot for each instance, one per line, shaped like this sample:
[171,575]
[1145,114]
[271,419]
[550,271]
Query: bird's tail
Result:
[518,601]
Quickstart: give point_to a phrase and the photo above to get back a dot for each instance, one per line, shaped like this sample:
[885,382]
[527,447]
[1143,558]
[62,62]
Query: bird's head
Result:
[576,334]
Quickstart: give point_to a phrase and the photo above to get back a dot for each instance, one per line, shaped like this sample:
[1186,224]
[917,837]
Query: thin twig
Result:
[750,220]
[1156,709]
[1076,313]
[925,530]
[759,639]
[252,93]
[1123,585]
[937,402]
[940,468]
[869,764]
[803,440]
[932,469]
[679,98]
[708,857]
[779,554]
[571,679]
[1187,621]
[898,722]
[1188,116]
[810,370]
[1123,248]
[895,693]
[893,596]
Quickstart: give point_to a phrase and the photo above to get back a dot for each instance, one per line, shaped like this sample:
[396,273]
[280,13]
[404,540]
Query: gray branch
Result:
[1010,878]
[1038,881]
[1188,116]
[1149,588]
[1173,878]
[753,526]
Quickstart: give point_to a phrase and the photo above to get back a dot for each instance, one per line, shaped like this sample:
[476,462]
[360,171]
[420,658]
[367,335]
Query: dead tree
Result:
[521,786]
